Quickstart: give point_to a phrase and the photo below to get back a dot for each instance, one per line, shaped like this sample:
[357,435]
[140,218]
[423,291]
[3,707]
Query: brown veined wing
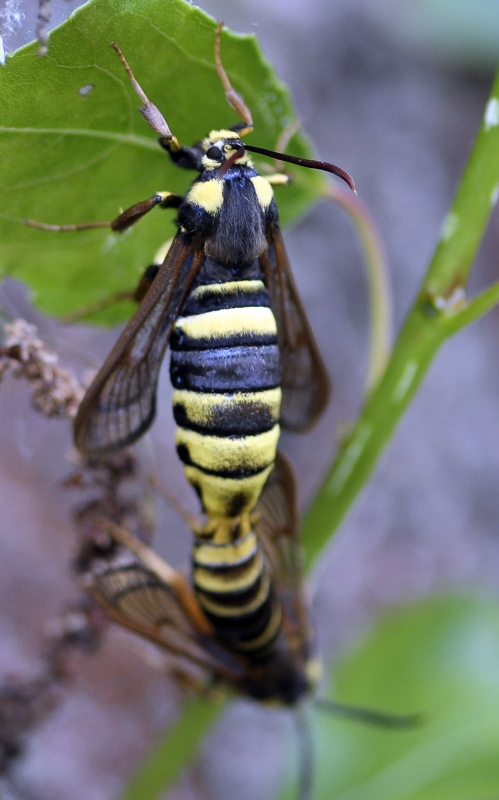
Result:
[134,597]
[120,403]
[278,533]
[305,382]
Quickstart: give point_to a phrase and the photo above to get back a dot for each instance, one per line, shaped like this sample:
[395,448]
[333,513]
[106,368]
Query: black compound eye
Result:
[214,153]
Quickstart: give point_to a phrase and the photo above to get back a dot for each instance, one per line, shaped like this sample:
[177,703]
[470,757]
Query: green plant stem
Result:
[174,751]
[440,305]
[414,352]
[473,310]
[380,296]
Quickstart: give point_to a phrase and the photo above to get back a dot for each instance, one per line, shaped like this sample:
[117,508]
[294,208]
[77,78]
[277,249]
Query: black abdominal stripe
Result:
[226,371]
[233,588]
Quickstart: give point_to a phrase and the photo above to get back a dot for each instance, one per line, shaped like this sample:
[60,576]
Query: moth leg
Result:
[380,718]
[80,226]
[280,177]
[149,111]
[192,522]
[132,215]
[177,582]
[150,273]
[99,305]
[285,137]
[220,529]
[132,295]
[234,99]
[123,221]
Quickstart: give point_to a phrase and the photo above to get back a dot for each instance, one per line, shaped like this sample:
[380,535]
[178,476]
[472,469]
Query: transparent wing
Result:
[305,382]
[278,532]
[120,403]
[136,598]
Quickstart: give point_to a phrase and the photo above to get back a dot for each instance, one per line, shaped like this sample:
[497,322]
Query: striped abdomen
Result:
[234,590]
[226,371]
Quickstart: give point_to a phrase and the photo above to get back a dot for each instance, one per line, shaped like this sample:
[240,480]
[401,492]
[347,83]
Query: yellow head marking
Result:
[215,136]
[227,143]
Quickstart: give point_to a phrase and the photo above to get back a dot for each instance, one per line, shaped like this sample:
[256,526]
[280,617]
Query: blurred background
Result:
[393,91]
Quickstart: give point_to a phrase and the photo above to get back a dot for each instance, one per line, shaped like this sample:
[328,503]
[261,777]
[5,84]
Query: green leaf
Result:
[174,749]
[73,147]
[439,658]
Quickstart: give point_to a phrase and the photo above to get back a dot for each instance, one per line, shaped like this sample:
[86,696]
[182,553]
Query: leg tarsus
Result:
[123,221]
[132,215]
[190,519]
[98,305]
[80,226]
[234,99]
[279,179]
[149,111]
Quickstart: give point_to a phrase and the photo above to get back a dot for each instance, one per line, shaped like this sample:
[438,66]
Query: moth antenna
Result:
[381,719]
[325,166]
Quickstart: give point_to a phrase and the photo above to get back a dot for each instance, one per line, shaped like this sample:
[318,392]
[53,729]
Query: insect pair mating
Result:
[244,362]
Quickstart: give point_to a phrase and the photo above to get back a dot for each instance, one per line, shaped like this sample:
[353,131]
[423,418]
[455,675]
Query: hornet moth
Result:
[244,361]
[240,623]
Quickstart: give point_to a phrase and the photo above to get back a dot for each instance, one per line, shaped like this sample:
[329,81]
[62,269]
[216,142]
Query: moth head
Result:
[220,146]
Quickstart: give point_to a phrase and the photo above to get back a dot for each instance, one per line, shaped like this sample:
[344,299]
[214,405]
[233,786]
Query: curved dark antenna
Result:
[305,755]
[379,718]
[325,166]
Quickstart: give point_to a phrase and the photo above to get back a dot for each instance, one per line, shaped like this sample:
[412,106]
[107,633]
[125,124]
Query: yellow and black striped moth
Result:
[244,360]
